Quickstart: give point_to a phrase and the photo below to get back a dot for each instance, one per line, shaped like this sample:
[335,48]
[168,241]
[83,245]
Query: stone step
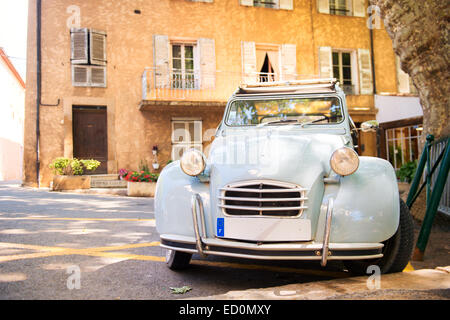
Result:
[96,177]
[108,184]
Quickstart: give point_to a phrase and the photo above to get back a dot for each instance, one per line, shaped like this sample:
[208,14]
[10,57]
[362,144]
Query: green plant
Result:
[68,167]
[143,166]
[407,171]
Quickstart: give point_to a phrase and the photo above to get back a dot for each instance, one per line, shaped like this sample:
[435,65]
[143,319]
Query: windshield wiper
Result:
[276,121]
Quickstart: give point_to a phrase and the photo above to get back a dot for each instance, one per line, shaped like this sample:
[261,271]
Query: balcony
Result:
[177,88]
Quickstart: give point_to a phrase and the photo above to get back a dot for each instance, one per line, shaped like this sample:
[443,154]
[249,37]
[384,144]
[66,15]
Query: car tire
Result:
[397,250]
[177,260]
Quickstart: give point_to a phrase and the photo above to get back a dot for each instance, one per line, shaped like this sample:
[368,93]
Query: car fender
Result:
[173,196]
[366,204]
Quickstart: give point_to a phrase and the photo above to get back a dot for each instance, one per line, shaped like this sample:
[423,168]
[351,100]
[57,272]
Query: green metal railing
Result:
[434,190]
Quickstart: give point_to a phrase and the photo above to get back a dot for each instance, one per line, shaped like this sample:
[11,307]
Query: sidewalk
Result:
[425,284]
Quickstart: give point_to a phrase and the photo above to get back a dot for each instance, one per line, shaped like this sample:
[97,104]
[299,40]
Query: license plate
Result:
[264,229]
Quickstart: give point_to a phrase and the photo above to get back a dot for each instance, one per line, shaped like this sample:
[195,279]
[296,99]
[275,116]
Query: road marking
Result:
[408,268]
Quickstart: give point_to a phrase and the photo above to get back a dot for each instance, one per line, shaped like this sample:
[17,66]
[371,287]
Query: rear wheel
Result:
[397,250]
[177,260]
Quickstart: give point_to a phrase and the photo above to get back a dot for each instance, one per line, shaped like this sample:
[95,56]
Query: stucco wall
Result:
[11,124]
[131,132]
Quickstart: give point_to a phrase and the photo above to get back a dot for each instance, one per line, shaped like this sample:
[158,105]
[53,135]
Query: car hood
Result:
[272,155]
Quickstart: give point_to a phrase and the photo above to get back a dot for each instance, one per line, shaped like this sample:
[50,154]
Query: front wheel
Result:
[397,250]
[177,260]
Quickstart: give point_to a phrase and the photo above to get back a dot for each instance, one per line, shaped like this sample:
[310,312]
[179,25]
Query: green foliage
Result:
[407,171]
[69,167]
[90,164]
[181,290]
[143,166]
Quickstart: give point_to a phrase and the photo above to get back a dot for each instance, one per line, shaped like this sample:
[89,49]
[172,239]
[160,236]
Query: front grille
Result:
[265,198]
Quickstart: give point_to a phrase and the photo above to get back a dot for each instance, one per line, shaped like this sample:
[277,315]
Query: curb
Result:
[429,283]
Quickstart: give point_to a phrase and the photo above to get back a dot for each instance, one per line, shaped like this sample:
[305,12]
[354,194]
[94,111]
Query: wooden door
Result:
[90,139]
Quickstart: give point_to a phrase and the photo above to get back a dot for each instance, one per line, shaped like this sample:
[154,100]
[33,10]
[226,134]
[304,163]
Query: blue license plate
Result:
[220,227]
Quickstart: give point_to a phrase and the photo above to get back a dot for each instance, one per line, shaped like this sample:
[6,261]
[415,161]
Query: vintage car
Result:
[282,181]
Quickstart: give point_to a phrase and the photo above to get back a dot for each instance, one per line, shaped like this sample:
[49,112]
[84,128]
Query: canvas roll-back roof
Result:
[293,86]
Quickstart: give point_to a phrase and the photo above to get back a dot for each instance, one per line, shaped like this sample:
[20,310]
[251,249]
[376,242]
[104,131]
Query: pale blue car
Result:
[282,181]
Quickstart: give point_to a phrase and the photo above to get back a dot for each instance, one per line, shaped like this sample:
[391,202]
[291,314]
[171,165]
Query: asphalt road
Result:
[78,246]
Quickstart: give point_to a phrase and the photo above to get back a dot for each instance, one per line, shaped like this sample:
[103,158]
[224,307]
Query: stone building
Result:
[120,78]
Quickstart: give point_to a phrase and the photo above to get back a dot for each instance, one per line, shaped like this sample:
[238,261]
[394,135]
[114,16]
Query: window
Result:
[402,145]
[274,4]
[265,3]
[285,111]
[342,70]
[88,57]
[186,134]
[355,8]
[183,75]
[340,7]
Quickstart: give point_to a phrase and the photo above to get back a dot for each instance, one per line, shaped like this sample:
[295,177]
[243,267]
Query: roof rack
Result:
[315,85]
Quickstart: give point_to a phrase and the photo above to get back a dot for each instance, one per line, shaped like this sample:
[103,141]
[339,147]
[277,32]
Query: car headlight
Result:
[344,161]
[192,162]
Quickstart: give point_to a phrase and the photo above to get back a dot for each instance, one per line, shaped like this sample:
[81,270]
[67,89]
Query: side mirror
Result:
[368,126]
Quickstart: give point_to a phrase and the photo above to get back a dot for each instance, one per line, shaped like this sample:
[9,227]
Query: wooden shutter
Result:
[79,46]
[359,8]
[161,49]
[206,48]
[325,62]
[248,3]
[323,6]
[287,4]
[98,76]
[402,77]
[80,76]
[365,71]
[288,62]
[97,48]
[249,72]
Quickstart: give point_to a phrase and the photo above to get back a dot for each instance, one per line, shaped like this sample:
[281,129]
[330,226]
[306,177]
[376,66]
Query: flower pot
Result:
[71,182]
[154,152]
[141,189]
[155,166]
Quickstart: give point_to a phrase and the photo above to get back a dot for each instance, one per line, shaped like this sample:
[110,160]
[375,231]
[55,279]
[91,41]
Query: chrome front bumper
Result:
[311,250]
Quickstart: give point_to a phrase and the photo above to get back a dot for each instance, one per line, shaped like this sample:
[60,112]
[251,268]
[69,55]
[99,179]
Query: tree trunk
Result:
[419,32]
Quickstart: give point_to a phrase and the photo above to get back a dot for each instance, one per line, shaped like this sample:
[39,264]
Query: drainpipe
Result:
[372,57]
[38,84]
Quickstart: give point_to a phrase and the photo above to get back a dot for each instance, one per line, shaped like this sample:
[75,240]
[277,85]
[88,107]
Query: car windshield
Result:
[302,111]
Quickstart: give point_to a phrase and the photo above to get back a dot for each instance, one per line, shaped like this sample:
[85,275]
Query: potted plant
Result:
[141,183]
[68,173]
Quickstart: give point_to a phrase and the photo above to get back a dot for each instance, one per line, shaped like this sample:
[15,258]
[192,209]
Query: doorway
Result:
[90,141]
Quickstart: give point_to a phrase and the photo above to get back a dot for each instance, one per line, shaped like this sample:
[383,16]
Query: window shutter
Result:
[402,78]
[249,72]
[80,76]
[323,6]
[365,71]
[288,62]
[98,76]
[325,62]
[287,4]
[79,46]
[359,8]
[97,40]
[161,60]
[197,139]
[207,63]
[248,3]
